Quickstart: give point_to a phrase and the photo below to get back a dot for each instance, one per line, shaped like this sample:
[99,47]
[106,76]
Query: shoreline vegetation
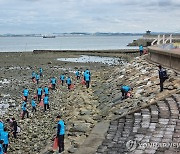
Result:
[81,108]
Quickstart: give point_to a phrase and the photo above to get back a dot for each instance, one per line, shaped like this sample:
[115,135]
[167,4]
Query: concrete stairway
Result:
[155,129]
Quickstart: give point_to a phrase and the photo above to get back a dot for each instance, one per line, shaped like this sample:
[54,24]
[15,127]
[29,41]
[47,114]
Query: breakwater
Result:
[90,51]
[168,58]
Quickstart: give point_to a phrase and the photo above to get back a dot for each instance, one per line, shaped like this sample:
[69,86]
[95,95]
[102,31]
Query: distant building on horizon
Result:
[148,32]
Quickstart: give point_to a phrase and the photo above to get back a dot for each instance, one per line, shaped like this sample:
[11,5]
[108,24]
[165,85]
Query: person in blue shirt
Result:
[87,79]
[141,49]
[46,91]
[24,109]
[37,78]
[40,71]
[87,72]
[62,78]
[5,138]
[68,81]
[125,90]
[53,82]
[1,147]
[26,93]
[39,93]
[33,75]
[60,133]
[46,103]
[33,104]
[77,74]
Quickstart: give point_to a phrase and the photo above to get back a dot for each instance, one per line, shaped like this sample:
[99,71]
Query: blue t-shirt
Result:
[26,92]
[126,88]
[4,137]
[33,103]
[46,100]
[46,90]
[87,77]
[61,127]
[53,81]
[62,77]
[68,81]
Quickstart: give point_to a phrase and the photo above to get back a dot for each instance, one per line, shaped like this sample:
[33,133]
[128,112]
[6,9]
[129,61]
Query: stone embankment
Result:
[124,114]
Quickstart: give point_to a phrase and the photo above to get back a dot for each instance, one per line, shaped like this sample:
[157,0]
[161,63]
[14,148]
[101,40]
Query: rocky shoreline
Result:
[81,108]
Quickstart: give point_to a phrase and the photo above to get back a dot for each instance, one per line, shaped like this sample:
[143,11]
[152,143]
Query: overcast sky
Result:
[48,16]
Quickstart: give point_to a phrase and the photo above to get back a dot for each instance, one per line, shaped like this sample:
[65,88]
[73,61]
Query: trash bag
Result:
[23,98]
[41,103]
[34,80]
[72,86]
[83,82]
[128,94]
[35,96]
[43,96]
[50,86]
[55,144]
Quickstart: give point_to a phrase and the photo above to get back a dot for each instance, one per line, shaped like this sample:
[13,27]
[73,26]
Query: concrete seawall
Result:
[91,51]
[168,58]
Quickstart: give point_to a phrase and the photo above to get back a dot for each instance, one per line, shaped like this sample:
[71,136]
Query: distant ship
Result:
[49,36]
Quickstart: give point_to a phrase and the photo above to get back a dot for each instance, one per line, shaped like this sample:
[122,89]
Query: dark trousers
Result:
[25,112]
[124,93]
[62,82]
[61,143]
[141,52]
[69,85]
[33,109]
[46,95]
[39,97]
[161,84]
[87,84]
[53,86]
[5,146]
[46,106]
[37,81]
[14,134]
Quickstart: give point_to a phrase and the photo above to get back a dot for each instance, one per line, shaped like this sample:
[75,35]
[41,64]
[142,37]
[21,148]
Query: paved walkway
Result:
[95,139]
[155,129]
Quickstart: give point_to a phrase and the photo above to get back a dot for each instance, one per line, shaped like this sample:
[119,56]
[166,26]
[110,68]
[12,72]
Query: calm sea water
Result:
[22,44]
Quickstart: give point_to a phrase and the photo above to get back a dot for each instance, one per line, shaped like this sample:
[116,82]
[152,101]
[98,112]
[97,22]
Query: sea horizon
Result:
[83,42]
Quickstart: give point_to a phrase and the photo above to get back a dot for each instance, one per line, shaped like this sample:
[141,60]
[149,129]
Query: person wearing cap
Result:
[60,133]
